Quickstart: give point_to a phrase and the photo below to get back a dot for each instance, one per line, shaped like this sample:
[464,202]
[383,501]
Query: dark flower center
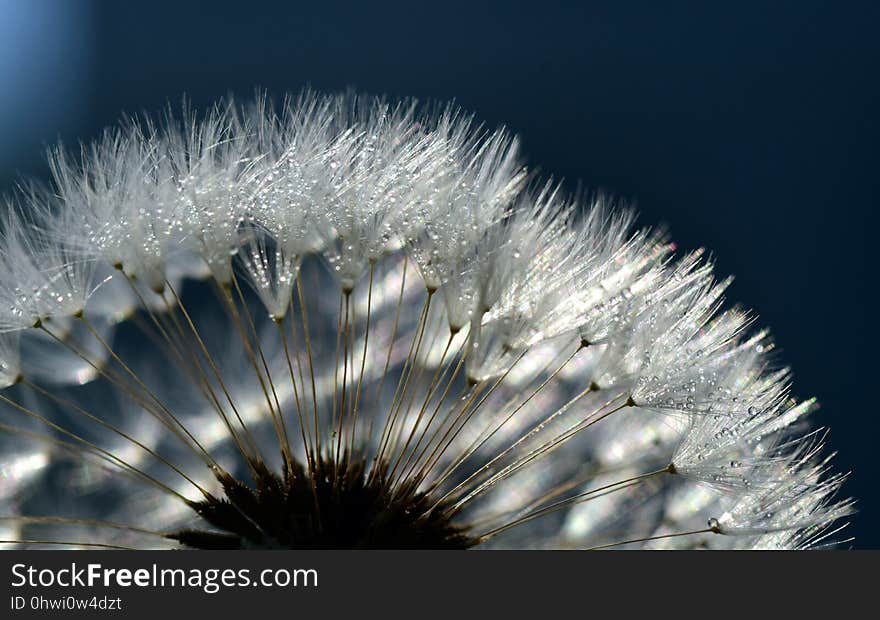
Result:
[337,507]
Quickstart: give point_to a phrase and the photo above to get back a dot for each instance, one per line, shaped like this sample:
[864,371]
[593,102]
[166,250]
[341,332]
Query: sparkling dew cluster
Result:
[379,299]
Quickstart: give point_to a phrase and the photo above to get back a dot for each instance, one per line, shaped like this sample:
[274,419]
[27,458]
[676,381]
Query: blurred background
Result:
[751,130]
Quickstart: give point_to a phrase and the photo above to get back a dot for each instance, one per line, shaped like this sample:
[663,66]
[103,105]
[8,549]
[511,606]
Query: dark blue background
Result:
[749,129]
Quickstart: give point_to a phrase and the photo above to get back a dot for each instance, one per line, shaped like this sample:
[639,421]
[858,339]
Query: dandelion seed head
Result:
[345,321]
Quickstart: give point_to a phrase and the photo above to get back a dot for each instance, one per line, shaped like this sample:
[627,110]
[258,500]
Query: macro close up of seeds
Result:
[340,321]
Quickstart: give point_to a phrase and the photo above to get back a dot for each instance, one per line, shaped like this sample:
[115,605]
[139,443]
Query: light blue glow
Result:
[44,67]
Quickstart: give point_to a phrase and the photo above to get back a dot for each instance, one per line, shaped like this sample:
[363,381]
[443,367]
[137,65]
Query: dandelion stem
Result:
[168,345]
[482,440]
[421,414]
[73,406]
[67,542]
[283,439]
[307,445]
[247,456]
[391,420]
[379,388]
[436,432]
[308,340]
[91,522]
[576,499]
[345,349]
[533,454]
[91,446]
[125,389]
[649,538]
[357,394]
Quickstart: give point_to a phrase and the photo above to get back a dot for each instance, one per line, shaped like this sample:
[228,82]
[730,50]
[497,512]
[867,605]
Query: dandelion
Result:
[345,322]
